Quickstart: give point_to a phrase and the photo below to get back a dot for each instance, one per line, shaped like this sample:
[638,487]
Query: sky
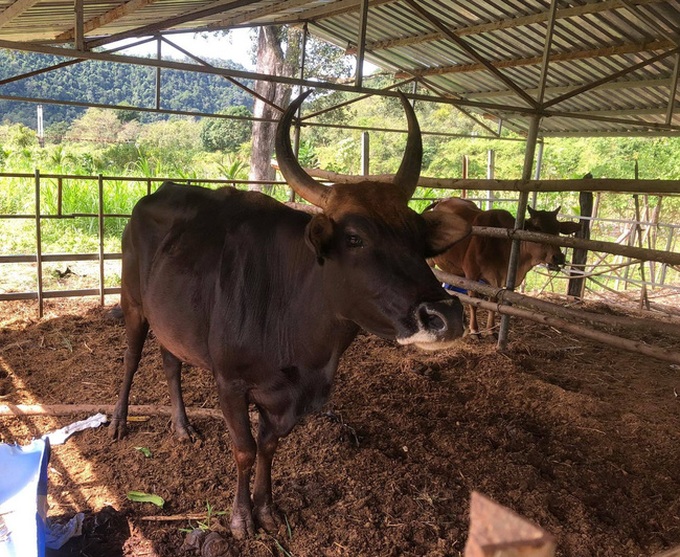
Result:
[235,47]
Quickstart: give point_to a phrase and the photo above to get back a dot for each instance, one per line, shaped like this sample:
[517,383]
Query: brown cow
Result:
[268,297]
[486,259]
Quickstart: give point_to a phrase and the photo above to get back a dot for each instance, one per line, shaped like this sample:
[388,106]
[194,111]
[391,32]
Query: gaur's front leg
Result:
[234,405]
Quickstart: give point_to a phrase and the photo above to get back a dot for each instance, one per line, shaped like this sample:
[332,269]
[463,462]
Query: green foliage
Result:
[95,126]
[172,143]
[55,132]
[232,168]
[307,155]
[222,134]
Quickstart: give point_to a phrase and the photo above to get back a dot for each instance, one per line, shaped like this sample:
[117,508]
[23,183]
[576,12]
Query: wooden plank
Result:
[496,531]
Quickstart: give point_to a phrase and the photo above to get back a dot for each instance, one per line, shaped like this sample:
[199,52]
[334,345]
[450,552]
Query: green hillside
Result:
[107,83]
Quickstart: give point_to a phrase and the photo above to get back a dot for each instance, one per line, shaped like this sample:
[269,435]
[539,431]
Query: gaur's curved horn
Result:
[301,182]
[409,170]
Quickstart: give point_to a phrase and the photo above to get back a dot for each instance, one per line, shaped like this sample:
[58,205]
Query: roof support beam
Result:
[171,22]
[630,48]
[229,79]
[108,57]
[617,85]
[510,23]
[62,65]
[15,10]
[674,90]
[336,8]
[471,52]
[430,86]
[104,19]
[438,90]
[609,78]
[328,10]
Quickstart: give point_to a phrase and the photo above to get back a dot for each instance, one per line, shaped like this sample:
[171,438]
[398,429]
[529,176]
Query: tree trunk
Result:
[272,61]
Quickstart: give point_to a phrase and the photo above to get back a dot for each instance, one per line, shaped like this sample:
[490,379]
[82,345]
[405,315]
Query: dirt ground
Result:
[580,438]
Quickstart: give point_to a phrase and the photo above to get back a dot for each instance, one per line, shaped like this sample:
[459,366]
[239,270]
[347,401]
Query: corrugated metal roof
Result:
[612,65]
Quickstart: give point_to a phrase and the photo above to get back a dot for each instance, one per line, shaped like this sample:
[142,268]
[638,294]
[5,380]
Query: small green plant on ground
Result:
[205,523]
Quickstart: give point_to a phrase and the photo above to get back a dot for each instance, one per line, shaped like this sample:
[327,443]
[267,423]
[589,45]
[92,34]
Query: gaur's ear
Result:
[567,227]
[443,230]
[318,235]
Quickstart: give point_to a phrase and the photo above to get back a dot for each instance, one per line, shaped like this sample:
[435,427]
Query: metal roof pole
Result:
[361,43]
[78,28]
[674,89]
[529,154]
[296,133]
[537,173]
[532,140]
[159,53]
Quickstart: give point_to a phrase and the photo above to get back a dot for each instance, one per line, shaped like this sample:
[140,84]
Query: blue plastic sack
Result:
[23,498]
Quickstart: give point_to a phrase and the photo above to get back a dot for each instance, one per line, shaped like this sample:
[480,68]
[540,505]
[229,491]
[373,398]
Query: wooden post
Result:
[579,258]
[644,300]
[465,173]
[496,531]
[490,175]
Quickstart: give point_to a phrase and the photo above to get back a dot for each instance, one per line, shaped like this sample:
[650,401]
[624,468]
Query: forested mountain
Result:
[108,83]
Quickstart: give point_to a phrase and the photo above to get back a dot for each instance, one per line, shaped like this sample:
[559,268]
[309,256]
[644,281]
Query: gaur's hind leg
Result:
[491,324]
[474,325]
[136,329]
[172,367]
[263,506]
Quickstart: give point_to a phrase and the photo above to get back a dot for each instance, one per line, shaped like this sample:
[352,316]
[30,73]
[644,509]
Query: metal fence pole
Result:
[510,281]
[38,243]
[100,219]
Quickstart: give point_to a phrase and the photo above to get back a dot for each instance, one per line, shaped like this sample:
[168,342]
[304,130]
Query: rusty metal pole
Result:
[361,43]
[529,153]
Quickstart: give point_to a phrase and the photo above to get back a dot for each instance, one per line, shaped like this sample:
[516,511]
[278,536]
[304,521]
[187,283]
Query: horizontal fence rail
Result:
[627,255]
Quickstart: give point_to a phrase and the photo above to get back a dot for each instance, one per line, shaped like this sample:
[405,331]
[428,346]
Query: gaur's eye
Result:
[354,241]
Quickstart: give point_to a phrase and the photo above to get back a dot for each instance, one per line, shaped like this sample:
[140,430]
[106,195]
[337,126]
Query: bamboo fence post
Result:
[579,257]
